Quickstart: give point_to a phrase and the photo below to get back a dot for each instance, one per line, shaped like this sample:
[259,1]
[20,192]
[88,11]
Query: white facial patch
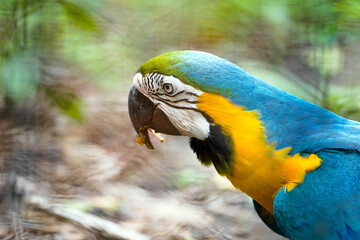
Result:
[177,100]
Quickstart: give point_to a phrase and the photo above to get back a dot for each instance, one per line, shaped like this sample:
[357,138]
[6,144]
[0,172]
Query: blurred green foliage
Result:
[30,36]
[307,47]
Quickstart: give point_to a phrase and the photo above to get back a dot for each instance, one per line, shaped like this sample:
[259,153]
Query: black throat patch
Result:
[216,149]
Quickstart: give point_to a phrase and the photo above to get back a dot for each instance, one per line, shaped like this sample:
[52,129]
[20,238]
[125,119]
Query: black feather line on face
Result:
[178,107]
[156,96]
[216,149]
[178,93]
[152,84]
[174,95]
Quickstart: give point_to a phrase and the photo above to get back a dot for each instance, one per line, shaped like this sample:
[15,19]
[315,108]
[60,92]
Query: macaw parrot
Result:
[298,162]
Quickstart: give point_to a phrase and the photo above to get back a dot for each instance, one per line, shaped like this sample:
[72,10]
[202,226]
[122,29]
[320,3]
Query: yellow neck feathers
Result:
[258,169]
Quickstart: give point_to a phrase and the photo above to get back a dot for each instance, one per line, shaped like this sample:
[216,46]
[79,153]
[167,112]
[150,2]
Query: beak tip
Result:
[144,139]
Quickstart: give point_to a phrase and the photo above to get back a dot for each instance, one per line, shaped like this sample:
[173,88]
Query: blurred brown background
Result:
[70,167]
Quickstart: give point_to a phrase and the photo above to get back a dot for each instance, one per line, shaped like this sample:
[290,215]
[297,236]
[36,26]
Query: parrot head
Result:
[163,99]
[165,94]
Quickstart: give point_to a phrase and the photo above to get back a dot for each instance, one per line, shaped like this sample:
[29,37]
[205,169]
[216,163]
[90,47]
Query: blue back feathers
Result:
[327,204]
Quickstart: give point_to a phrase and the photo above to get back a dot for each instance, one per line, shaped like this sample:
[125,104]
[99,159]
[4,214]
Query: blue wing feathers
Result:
[327,204]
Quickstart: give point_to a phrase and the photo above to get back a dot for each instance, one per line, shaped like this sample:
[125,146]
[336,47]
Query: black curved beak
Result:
[144,114]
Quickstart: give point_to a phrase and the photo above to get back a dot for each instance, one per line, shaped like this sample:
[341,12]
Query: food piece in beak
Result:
[157,135]
[144,114]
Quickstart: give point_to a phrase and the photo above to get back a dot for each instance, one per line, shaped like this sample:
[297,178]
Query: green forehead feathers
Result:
[164,64]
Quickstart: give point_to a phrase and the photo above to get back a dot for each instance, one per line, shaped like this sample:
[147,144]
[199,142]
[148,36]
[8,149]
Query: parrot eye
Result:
[168,87]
